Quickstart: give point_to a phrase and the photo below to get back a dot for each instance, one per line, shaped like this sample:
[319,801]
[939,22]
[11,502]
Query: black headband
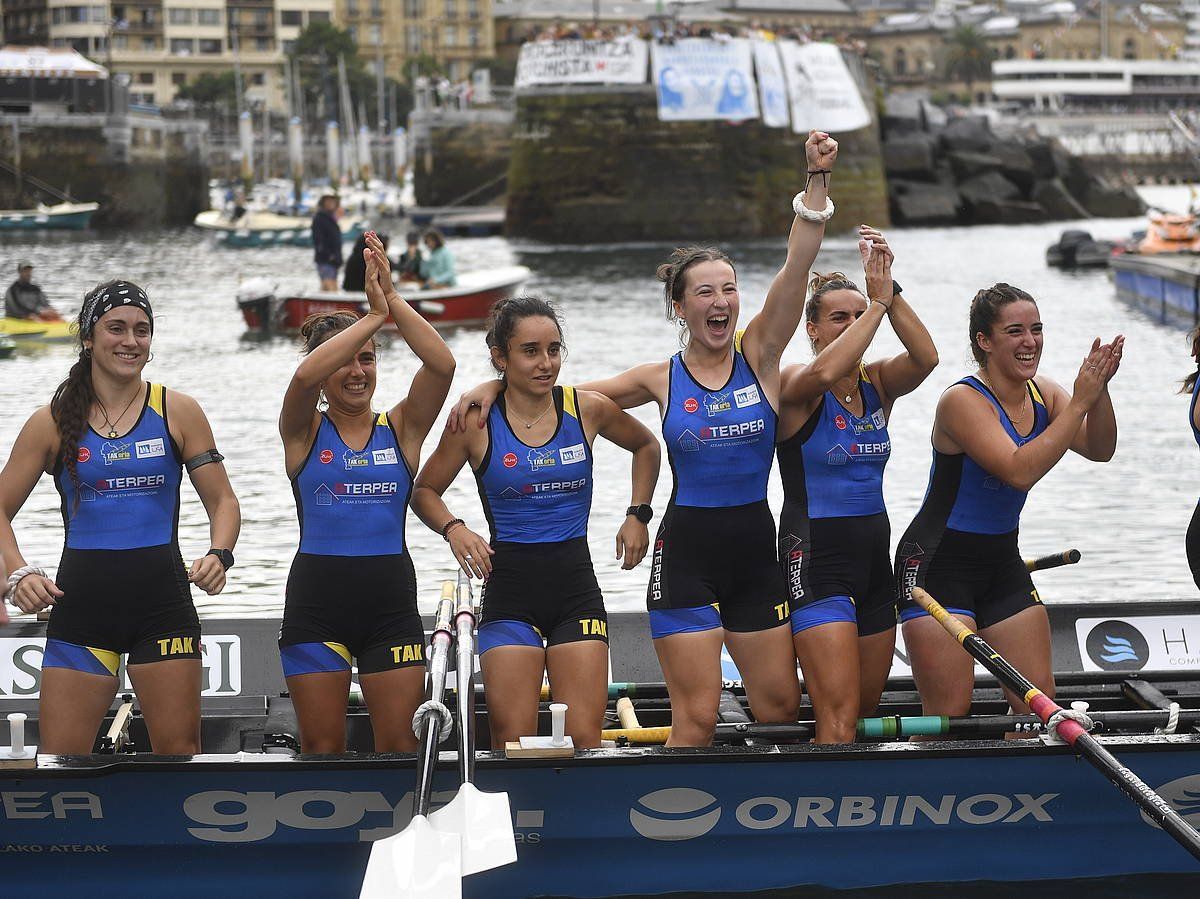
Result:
[116,295]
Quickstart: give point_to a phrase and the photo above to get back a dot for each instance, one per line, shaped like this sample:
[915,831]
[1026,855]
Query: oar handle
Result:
[957,629]
[626,714]
[1054,560]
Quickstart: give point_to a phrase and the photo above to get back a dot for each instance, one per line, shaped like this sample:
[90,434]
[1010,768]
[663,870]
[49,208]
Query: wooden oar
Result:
[421,861]
[482,821]
[1154,806]
[1055,560]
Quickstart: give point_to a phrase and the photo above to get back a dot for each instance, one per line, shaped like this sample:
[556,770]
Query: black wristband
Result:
[203,459]
[449,524]
[896,288]
[224,556]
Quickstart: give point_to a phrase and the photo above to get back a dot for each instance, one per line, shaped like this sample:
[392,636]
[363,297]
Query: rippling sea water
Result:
[1127,517]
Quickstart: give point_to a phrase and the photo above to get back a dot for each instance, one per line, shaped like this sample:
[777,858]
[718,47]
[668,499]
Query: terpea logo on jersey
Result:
[733,431]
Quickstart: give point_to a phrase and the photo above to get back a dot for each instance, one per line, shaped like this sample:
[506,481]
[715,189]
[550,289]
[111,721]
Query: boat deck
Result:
[1167,285]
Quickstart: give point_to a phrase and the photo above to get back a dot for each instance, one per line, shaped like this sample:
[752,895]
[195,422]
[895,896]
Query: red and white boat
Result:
[267,309]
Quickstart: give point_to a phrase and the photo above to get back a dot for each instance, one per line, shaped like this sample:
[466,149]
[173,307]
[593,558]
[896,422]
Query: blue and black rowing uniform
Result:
[714,554]
[352,590]
[542,589]
[1193,531]
[125,589]
[962,546]
[834,535]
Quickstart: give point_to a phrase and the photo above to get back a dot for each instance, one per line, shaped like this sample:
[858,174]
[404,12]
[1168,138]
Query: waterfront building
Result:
[1098,85]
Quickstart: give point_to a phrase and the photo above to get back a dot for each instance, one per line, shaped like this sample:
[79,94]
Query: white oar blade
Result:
[420,862]
[483,821]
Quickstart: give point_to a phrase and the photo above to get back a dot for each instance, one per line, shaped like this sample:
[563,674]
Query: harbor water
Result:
[1127,517]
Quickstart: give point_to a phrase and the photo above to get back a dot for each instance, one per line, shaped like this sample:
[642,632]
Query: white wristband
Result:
[16,577]
[812,215]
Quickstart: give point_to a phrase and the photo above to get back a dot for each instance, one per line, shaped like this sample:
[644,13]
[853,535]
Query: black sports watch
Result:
[224,556]
[642,513]
[896,288]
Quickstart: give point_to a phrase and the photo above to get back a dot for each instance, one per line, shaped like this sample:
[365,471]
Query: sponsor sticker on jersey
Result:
[690,404]
[351,459]
[150,449]
[115,452]
[384,456]
[572,454]
[326,456]
[879,419]
[747,396]
[840,422]
[716,403]
[510,460]
[84,454]
[541,458]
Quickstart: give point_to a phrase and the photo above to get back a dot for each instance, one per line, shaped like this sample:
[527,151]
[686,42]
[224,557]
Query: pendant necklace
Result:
[112,425]
[541,415]
[1024,400]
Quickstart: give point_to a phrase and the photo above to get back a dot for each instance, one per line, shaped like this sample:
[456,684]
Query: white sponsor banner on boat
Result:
[1137,642]
[698,79]
[772,88]
[21,666]
[582,62]
[821,90]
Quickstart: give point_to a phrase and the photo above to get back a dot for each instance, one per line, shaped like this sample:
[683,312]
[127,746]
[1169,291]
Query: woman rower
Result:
[1191,384]
[533,464]
[715,578]
[352,590]
[116,447]
[834,535]
[996,433]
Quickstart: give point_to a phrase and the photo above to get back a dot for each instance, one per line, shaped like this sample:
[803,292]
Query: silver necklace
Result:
[530,424]
[1024,399]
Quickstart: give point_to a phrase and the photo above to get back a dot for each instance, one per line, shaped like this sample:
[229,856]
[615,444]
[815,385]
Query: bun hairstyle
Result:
[1189,383]
[820,285]
[985,309]
[672,271]
[320,326]
[505,315]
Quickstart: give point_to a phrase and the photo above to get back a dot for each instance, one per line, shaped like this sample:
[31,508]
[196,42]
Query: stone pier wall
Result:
[460,157]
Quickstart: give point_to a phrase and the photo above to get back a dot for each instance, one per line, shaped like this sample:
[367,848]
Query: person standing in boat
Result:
[542,610]
[996,433]
[26,300]
[352,591]
[327,242]
[1191,384]
[116,447]
[715,577]
[834,534]
[438,267]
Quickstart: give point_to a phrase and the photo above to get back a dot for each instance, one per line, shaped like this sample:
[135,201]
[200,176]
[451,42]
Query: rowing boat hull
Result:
[610,823]
[29,329]
[62,217]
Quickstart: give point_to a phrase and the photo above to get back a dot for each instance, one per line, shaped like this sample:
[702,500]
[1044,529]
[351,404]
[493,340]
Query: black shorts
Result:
[719,559]
[135,601]
[338,607]
[846,557]
[541,592]
[980,575]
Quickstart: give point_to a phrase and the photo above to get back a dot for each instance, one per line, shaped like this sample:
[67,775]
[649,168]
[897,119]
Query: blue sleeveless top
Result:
[1192,410]
[537,494]
[834,464]
[982,503]
[128,496]
[353,502]
[720,442]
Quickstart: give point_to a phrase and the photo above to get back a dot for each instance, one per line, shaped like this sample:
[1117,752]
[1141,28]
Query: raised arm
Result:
[212,484]
[773,328]
[612,423]
[966,423]
[414,415]
[471,551]
[32,454]
[1096,439]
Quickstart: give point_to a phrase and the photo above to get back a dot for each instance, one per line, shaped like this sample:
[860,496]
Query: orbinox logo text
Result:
[1118,646]
[1183,795]
[678,813]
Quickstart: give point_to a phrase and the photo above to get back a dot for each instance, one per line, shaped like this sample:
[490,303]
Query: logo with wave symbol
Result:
[677,813]
[1183,795]
[1117,646]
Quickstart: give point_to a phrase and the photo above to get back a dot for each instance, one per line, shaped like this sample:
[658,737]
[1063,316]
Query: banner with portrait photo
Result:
[822,92]
[700,78]
[582,62]
[772,89]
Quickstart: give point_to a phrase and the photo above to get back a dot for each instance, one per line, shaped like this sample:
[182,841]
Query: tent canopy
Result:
[43,62]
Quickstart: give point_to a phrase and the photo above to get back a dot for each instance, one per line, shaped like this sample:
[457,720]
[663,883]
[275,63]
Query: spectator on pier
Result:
[24,299]
[327,242]
[438,270]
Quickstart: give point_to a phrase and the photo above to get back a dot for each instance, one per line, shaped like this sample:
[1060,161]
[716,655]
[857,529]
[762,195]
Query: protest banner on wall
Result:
[702,78]
[821,90]
[582,62]
[772,89]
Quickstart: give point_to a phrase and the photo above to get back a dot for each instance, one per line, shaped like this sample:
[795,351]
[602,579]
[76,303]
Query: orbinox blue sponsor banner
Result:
[699,78]
[675,823]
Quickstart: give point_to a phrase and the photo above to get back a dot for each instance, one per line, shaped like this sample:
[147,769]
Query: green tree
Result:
[210,91]
[316,54]
[968,56]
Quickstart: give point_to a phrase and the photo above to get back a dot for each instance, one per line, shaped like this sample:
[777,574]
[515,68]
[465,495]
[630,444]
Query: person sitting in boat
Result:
[410,263]
[834,535]
[354,278]
[117,447]
[352,590]
[715,578]
[542,610]
[327,242]
[438,269]
[26,300]
[1191,385]
[996,433]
